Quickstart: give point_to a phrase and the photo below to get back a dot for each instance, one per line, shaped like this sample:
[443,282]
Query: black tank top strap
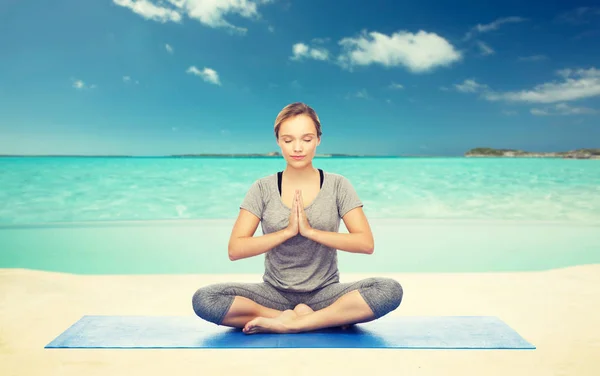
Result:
[279,181]
[280,174]
[321,172]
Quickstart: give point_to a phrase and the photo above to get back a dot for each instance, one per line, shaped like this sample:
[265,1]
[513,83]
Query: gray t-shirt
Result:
[300,264]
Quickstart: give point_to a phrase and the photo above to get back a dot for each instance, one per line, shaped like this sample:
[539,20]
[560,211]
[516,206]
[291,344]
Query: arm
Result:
[249,246]
[355,243]
[243,243]
[358,240]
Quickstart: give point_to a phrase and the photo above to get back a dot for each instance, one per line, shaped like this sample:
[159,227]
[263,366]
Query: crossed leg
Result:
[233,304]
[351,308]
[339,304]
[264,309]
[244,310]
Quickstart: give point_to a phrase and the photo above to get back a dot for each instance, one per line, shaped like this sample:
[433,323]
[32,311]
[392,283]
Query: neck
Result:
[302,174]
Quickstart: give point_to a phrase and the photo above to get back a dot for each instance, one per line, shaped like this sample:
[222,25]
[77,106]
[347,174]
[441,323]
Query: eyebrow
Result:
[306,134]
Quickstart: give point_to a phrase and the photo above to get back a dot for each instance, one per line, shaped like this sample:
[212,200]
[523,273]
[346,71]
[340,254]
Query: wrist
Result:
[309,233]
[287,233]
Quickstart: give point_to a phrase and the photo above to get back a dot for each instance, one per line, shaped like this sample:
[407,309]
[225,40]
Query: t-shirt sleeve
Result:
[347,198]
[253,201]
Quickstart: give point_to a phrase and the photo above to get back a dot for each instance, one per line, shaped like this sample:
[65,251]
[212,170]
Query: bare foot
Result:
[271,325]
[265,325]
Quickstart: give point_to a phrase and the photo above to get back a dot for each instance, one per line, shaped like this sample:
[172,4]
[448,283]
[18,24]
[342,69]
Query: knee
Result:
[206,301]
[390,291]
[393,290]
[200,301]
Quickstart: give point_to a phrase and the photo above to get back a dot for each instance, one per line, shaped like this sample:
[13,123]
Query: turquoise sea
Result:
[173,215]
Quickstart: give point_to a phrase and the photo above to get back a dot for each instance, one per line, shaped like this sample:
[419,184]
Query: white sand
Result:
[557,311]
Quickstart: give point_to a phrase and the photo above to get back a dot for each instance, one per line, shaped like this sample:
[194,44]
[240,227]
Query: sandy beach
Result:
[556,310]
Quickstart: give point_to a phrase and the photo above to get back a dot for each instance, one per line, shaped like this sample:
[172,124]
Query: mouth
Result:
[298,157]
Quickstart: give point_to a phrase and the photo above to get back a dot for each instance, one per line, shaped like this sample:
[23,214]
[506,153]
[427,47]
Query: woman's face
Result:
[298,137]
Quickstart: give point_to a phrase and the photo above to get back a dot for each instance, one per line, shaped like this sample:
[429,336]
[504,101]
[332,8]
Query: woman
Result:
[300,210]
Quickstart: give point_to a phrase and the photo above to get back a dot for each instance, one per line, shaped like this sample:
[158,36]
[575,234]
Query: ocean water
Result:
[45,190]
[174,215]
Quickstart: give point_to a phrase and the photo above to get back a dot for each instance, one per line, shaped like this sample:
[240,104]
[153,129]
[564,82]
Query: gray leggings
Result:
[212,302]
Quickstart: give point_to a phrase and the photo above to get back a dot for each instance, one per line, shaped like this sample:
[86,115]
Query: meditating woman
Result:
[300,210]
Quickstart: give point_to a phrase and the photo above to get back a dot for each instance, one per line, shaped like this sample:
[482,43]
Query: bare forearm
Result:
[241,248]
[353,242]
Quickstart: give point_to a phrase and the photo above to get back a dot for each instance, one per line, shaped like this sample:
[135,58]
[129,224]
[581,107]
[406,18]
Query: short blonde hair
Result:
[295,109]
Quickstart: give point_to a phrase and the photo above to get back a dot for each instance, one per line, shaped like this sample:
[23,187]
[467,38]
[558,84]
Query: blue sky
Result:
[209,76]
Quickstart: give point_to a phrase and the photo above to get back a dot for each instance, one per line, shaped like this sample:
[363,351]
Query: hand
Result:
[292,228]
[303,225]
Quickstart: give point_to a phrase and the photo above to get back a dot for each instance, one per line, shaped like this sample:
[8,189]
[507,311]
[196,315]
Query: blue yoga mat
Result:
[408,332]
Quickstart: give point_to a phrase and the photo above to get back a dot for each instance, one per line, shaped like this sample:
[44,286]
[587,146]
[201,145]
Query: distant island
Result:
[515,153]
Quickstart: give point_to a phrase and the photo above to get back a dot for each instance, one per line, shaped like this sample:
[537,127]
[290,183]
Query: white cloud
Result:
[485,49]
[394,85]
[470,86]
[577,84]
[80,85]
[479,28]
[207,74]
[418,52]
[567,72]
[208,12]
[301,50]
[212,12]
[127,79]
[169,48]
[150,11]
[562,109]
